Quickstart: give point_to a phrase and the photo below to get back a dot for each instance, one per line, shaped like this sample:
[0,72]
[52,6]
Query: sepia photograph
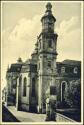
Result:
[42,62]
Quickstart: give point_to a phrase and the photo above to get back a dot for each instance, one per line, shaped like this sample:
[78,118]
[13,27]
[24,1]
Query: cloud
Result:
[22,37]
[67,25]
[25,28]
[69,39]
[19,41]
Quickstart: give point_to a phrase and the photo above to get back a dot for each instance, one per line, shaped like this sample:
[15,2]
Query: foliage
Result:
[73,94]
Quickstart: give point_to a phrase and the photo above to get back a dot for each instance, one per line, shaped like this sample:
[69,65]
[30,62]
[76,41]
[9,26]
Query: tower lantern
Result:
[48,19]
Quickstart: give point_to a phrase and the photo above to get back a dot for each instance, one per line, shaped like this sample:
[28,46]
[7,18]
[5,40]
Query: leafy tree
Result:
[73,94]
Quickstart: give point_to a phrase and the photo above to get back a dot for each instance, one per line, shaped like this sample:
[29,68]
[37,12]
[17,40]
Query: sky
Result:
[21,25]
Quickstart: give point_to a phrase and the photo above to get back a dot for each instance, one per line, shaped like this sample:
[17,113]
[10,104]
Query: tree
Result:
[73,94]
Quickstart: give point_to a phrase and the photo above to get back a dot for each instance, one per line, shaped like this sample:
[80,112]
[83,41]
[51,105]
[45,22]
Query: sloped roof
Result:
[71,62]
[15,67]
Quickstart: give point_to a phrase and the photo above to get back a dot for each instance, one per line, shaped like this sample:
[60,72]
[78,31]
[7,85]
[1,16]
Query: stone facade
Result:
[28,82]
[68,71]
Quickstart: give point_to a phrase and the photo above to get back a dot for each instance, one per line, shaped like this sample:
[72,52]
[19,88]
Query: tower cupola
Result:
[49,6]
[48,19]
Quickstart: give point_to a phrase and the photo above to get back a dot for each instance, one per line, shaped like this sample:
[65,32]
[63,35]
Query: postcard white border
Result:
[53,123]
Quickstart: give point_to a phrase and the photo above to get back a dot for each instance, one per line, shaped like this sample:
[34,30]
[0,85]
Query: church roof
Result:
[71,62]
[15,68]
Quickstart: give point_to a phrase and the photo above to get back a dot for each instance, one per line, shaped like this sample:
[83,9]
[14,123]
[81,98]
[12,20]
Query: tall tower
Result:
[47,42]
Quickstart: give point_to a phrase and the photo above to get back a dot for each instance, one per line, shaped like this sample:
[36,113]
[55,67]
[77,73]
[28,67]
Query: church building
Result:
[29,81]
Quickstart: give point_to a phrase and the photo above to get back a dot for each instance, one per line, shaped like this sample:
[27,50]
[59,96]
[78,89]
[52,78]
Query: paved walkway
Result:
[33,117]
[27,116]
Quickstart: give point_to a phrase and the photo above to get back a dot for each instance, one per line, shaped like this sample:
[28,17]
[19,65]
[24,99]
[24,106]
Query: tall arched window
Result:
[63,89]
[24,86]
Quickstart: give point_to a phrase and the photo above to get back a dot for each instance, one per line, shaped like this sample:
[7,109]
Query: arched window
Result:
[24,86]
[63,70]
[33,87]
[63,89]
[75,70]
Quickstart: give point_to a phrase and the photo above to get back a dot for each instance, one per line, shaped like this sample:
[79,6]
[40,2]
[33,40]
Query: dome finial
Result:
[48,6]
[19,60]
